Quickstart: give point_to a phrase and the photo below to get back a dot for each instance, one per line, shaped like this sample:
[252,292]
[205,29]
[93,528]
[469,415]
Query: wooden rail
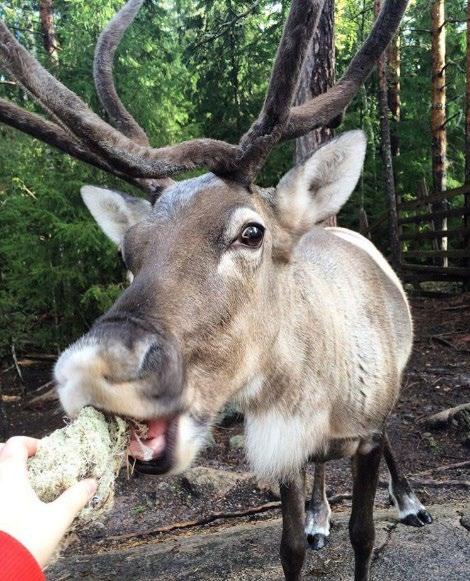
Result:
[460,272]
[431,234]
[453,213]
[425,265]
[465,253]
[431,199]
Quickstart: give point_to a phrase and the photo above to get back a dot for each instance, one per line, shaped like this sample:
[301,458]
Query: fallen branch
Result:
[335,499]
[447,343]
[49,395]
[9,368]
[444,334]
[454,466]
[197,522]
[443,341]
[432,483]
[444,417]
[15,362]
[41,356]
[456,308]
[438,483]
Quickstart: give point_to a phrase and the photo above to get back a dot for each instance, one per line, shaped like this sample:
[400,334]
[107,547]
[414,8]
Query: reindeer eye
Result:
[252,235]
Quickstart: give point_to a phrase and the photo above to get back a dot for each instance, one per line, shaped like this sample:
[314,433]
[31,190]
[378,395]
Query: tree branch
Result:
[225,25]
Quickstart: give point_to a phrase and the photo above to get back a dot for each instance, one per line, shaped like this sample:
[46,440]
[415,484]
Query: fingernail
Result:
[92,485]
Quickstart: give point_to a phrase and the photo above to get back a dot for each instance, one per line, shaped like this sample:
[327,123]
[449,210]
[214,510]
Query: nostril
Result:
[162,362]
[153,359]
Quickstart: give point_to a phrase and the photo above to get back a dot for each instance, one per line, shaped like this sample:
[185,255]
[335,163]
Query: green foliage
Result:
[186,68]
[50,251]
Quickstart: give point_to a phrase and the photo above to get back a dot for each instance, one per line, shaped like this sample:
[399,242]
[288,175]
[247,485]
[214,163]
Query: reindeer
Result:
[238,293]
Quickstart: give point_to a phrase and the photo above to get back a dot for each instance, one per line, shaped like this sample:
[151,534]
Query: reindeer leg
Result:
[317,524]
[410,510]
[292,548]
[361,525]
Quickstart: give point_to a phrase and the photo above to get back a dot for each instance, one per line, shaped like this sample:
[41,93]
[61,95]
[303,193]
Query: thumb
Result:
[71,502]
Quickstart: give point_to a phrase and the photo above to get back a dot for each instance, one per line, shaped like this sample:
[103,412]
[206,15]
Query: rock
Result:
[269,487]
[237,442]
[466,441]
[202,481]
[465,521]
[97,530]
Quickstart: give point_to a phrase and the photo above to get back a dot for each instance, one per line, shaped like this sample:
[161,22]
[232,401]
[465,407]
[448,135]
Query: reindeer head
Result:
[212,258]
[211,261]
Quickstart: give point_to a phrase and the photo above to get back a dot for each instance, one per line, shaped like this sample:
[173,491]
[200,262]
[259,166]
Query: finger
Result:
[71,502]
[19,448]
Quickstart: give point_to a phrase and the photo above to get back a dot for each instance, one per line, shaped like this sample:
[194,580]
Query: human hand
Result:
[38,526]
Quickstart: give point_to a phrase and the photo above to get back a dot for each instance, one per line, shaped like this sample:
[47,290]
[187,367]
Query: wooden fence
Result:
[422,255]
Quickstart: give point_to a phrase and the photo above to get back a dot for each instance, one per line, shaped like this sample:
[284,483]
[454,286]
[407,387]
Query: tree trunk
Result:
[438,117]
[49,39]
[394,104]
[318,74]
[467,102]
[234,69]
[386,152]
[467,136]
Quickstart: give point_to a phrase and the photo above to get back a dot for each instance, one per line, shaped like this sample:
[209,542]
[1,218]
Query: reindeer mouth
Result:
[154,452]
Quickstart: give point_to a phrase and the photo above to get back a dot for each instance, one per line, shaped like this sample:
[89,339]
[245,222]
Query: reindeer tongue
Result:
[153,444]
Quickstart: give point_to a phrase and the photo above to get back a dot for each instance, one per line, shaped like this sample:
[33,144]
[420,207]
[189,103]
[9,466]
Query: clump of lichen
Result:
[91,446]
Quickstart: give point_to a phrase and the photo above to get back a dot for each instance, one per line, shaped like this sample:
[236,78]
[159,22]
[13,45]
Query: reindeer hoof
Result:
[421,518]
[317,541]
[425,517]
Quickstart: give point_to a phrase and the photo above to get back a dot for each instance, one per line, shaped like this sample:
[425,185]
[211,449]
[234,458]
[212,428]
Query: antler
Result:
[267,130]
[324,108]
[125,151]
[105,48]
[84,126]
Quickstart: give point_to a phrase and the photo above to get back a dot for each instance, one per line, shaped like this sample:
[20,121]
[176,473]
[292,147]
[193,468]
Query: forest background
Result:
[187,68]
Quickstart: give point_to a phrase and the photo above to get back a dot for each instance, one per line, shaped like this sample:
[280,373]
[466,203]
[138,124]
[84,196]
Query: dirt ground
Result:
[438,377]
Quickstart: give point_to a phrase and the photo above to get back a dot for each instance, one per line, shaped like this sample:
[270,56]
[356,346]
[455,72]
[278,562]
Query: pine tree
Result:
[467,134]
[318,75]
[49,38]
[386,153]
[438,117]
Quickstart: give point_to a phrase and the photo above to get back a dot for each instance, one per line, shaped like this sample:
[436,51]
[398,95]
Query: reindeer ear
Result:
[114,212]
[317,188]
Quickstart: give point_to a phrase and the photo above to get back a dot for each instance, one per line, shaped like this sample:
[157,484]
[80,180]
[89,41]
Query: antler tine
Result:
[46,131]
[117,150]
[54,135]
[268,129]
[323,109]
[105,49]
